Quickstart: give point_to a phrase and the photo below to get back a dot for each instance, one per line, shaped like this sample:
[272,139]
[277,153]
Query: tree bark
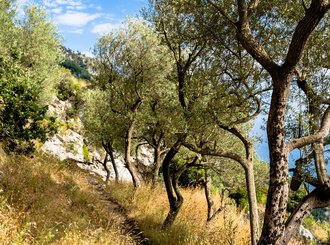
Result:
[107,178]
[274,220]
[157,165]
[109,150]
[252,198]
[211,212]
[137,182]
[113,161]
[174,210]
[319,198]
[207,190]
[174,203]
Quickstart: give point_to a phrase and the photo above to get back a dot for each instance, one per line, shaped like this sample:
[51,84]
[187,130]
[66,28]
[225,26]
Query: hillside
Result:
[46,201]
[79,64]
[151,141]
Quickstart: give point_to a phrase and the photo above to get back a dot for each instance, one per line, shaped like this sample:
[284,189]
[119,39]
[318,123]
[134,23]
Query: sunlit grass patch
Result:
[150,207]
[45,201]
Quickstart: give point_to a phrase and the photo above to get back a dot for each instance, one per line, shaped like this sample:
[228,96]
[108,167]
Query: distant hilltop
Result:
[80,65]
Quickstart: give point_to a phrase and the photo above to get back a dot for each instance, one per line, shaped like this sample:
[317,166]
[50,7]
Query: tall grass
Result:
[43,201]
[231,227]
[150,208]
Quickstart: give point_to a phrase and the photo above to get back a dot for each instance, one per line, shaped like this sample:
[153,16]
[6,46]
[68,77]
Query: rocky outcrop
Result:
[306,235]
[70,144]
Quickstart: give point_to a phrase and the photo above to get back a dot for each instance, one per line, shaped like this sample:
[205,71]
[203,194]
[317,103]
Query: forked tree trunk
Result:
[274,220]
[320,197]
[212,213]
[175,204]
[174,210]
[109,150]
[137,182]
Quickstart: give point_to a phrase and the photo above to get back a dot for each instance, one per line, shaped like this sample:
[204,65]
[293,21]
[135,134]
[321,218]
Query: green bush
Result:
[85,153]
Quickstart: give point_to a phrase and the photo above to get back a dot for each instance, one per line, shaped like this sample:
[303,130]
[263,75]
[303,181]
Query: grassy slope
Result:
[43,201]
[150,208]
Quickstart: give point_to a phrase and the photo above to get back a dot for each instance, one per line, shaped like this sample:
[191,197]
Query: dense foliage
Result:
[28,68]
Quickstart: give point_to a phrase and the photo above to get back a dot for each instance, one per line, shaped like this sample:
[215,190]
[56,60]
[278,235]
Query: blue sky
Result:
[80,22]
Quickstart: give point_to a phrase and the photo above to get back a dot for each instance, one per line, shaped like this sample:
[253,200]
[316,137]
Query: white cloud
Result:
[81,7]
[99,8]
[74,18]
[105,28]
[77,31]
[68,2]
[50,4]
[56,10]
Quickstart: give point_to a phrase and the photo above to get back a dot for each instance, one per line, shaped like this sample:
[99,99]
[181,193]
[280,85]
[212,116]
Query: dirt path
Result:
[129,226]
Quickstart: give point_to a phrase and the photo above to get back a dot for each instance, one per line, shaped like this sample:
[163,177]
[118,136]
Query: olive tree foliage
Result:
[39,44]
[131,69]
[286,40]
[214,90]
[23,114]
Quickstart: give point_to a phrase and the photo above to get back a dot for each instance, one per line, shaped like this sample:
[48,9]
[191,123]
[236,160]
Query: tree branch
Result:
[247,40]
[222,12]
[319,198]
[302,33]
[253,6]
[250,117]
[319,135]
[218,153]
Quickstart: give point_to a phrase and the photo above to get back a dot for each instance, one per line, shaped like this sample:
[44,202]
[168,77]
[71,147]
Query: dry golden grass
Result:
[47,202]
[322,231]
[150,208]
[43,201]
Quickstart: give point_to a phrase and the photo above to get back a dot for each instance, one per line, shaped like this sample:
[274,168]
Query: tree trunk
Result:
[274,220]
[207,190]
[107,178]
[113,161]
[176,206]
[137,182]
[157,165]
[253,204]
[109,150]
[174,203]
[174,210]
[211,212]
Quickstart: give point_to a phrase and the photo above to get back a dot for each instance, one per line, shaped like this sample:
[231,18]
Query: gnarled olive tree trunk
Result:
[130,164]
[212,212]
[109,150]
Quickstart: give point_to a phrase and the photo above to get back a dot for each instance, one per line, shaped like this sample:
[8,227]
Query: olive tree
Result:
[277,35]
[131,68]
[23,112]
